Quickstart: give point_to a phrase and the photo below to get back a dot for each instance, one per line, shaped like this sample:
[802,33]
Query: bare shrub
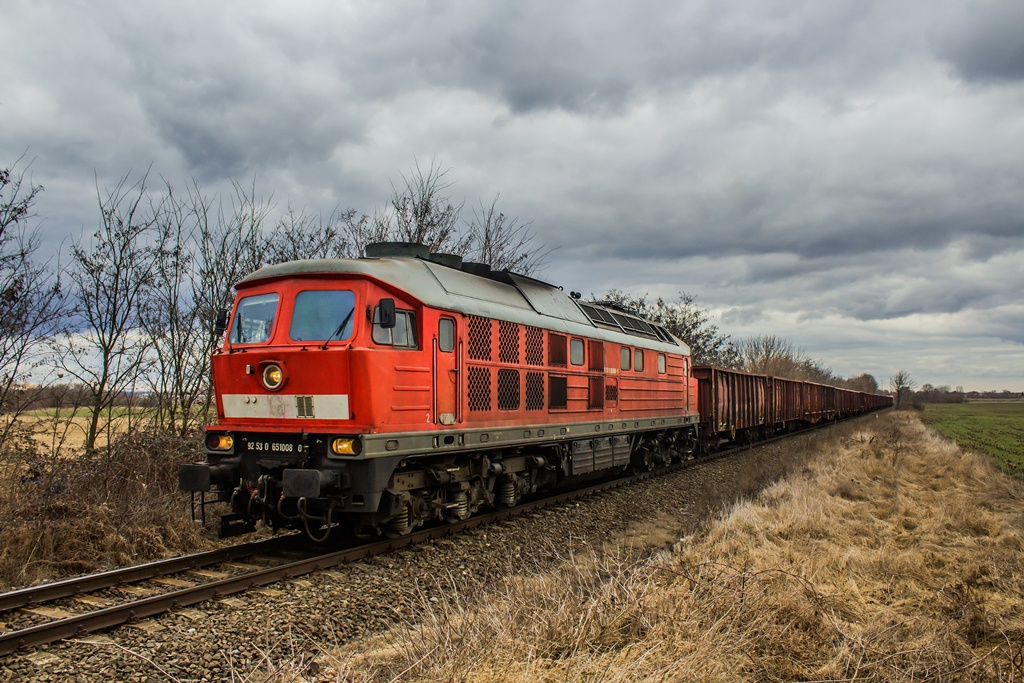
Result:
[64,515]
[893,439]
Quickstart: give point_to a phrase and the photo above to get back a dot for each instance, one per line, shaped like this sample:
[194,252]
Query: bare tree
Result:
[110,275]
[813,370]
[169,314]
[777,356]
[302,236]
[770,354]
[422,211]
[16,201]
[200,254]
[230,245]
[687,321]
[30,296]
[865,382]
[902,385]
[503,242]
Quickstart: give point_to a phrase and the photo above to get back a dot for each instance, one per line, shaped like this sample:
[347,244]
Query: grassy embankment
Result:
[992,428]
[892,556]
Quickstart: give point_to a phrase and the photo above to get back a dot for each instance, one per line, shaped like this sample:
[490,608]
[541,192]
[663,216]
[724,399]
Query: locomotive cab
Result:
[293,396]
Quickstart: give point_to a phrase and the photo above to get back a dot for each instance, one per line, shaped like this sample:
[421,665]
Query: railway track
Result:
[44,613]
[45,607]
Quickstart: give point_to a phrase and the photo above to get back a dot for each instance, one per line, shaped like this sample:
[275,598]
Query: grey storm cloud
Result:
[219,83]
[989,45]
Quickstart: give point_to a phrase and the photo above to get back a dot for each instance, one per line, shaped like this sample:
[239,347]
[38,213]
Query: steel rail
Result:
[34,595]
[79,625]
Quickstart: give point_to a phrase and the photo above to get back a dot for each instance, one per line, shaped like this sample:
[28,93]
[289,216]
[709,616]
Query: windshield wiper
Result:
[340,328]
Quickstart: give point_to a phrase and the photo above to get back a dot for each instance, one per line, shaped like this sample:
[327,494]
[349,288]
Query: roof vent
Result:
[450,260]
[397,250]
[475,268]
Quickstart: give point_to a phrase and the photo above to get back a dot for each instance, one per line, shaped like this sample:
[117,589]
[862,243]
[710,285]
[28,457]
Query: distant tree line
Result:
[944,394]
[928,393]
[903,389]
[1004,394]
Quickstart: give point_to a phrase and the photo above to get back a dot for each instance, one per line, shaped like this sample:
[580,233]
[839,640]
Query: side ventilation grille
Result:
[534,391]
[479,389]
[508,342]
[479,338]
[508,390]
[534,346]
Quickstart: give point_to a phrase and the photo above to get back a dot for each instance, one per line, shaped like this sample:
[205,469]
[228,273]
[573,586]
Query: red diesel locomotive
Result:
[384,392]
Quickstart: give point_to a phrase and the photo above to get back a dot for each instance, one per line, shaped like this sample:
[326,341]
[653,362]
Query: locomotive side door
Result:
[446,372]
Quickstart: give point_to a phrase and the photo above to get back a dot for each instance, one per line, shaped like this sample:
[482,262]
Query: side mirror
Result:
[221,323]
[387,313]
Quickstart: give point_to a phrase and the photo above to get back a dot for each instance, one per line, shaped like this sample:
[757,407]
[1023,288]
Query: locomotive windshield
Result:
[320,313]
[254,319]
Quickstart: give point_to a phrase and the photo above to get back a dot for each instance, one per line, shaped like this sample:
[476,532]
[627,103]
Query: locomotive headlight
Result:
[219,442]
[273,376]
[345,447]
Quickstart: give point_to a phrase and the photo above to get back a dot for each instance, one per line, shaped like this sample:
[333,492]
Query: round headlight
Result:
[273,376]
[346,446]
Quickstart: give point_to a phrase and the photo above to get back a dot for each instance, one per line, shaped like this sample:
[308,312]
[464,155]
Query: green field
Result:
[993,428]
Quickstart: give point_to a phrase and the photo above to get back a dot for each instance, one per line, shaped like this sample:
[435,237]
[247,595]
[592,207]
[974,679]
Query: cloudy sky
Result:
[847,174]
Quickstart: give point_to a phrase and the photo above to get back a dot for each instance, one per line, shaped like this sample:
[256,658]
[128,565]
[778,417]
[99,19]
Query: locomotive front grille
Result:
[304,406]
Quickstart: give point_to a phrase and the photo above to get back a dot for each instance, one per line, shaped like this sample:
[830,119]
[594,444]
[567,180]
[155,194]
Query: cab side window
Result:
[403,336]
[446,334]
[576,351]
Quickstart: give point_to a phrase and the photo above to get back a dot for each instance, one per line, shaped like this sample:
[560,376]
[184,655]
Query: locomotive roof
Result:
[500,295]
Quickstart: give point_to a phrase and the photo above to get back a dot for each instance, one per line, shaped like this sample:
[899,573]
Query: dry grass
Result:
[66,430]
[892,557]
